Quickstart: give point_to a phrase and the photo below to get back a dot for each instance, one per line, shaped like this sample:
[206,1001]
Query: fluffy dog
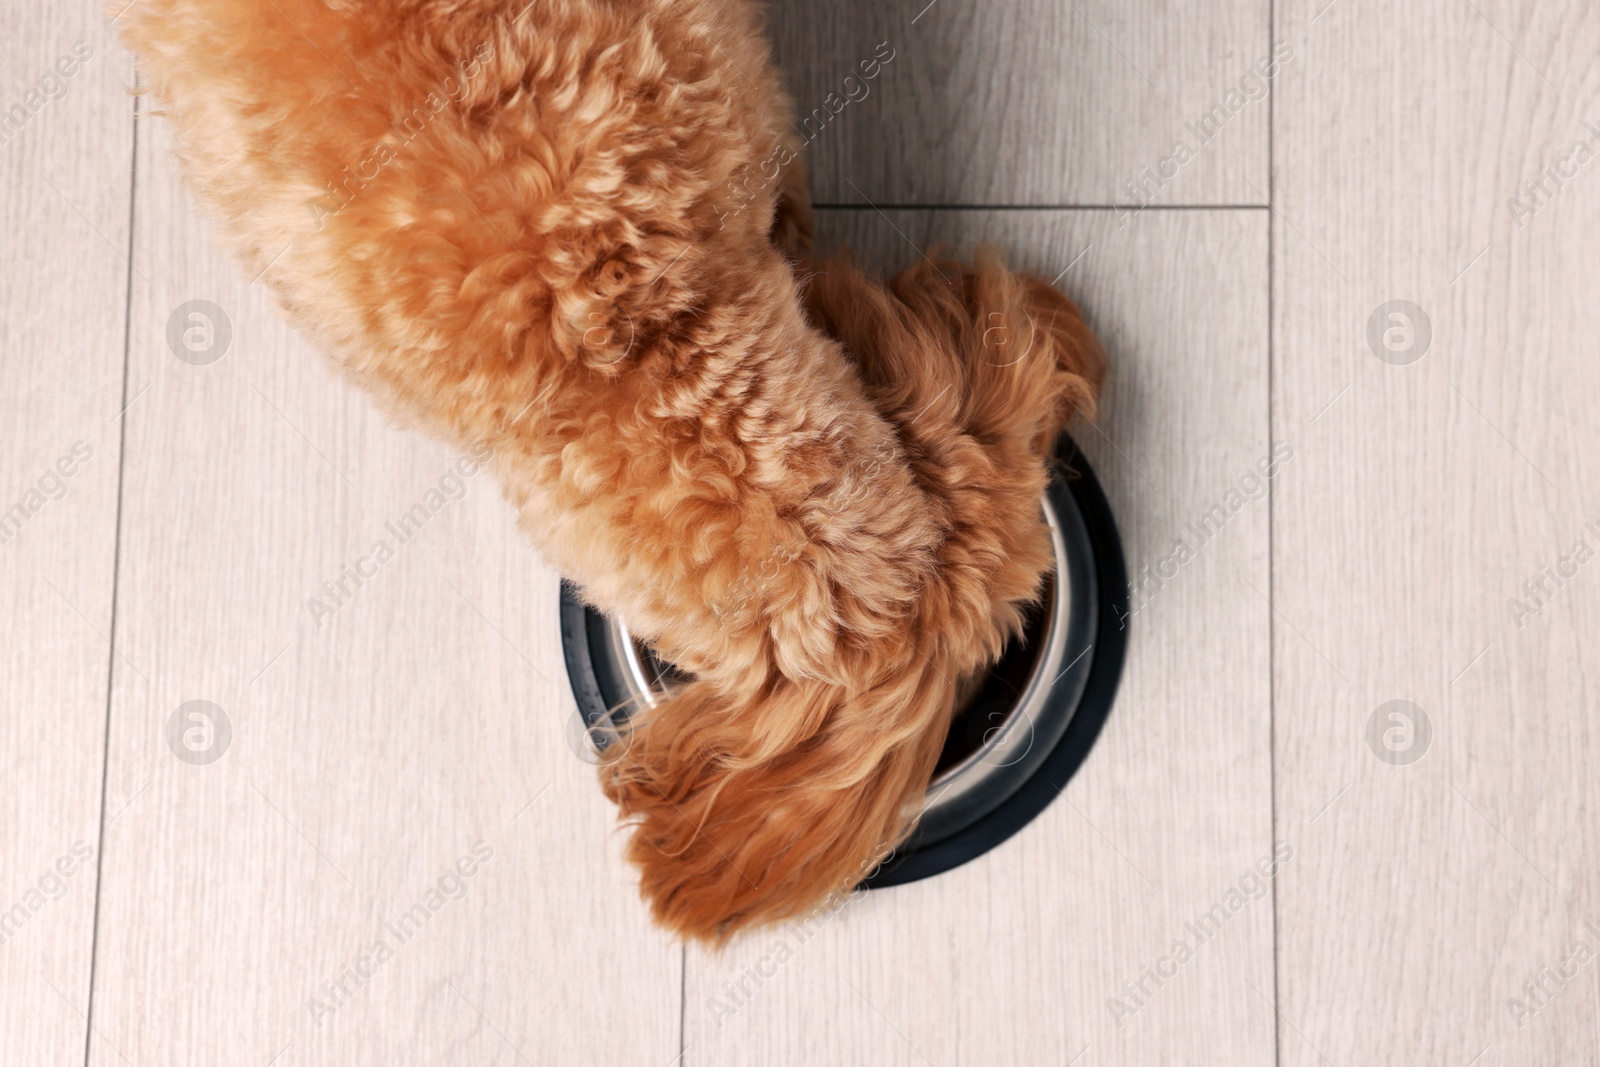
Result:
[554,228]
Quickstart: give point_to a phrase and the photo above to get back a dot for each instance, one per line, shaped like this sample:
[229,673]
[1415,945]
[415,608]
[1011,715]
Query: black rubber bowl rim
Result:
[1074,486]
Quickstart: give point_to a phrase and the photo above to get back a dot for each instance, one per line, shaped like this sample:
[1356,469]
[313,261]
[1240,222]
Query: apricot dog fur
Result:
[818,494]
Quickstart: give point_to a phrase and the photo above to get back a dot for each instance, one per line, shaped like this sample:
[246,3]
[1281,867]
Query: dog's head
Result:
[766,797]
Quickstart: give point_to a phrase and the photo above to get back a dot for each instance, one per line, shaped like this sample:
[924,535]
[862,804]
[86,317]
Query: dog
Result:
[577,231]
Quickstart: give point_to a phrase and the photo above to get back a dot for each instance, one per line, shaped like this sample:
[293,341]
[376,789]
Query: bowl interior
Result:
[997,697]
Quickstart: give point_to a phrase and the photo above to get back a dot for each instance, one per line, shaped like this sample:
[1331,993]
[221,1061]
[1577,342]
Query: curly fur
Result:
[537,227]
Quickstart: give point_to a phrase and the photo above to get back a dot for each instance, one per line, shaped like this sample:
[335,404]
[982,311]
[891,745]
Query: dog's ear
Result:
[1031,361]
[1009,352]
[1054,321]
[774,800]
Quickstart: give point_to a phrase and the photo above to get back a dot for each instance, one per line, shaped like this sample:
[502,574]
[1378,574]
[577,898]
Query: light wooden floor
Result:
[1431,861]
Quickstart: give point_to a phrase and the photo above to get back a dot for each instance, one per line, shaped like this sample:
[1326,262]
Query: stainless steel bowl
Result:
[1015,742]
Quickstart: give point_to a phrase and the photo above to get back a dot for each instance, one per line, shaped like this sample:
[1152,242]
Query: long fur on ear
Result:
[535,226]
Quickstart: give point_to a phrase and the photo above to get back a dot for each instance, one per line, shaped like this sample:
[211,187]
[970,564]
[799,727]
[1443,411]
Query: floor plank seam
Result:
[683,1003]
[1272,652]
[116,567]
[1129,208]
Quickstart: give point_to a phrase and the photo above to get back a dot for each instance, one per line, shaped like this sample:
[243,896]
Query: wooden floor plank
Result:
[66,130]
[397,731]
[1030,101]
[1448,842]
[1022,956]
